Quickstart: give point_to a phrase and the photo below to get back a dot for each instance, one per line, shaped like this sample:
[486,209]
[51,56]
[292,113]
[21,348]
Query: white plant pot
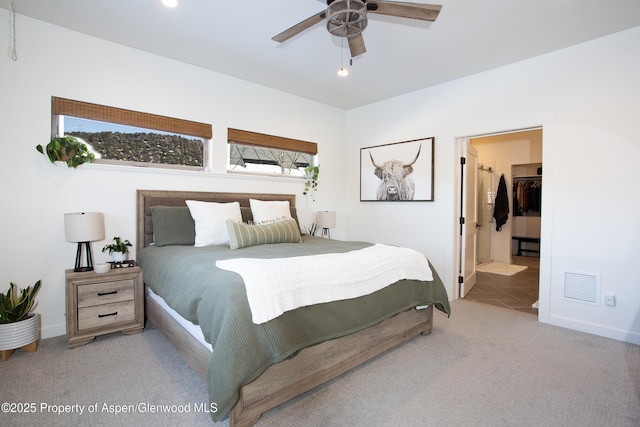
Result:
[118,256]
[19,334]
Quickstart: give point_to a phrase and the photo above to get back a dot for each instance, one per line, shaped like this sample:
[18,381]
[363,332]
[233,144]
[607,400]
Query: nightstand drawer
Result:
[106,314]
[106,292]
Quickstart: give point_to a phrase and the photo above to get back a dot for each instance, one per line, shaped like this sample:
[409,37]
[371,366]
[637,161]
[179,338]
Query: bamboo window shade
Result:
[85,110]
[270,141]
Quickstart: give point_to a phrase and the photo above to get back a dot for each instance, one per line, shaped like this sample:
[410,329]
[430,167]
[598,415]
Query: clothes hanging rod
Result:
[527,177]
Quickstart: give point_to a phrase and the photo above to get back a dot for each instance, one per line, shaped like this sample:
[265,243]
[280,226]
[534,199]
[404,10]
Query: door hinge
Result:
[462,220]
[460,280]
[463,160]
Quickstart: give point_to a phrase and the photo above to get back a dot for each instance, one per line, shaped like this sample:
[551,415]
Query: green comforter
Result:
[188,280]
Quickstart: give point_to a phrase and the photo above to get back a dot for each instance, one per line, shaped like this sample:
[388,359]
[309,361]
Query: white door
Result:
[469,218]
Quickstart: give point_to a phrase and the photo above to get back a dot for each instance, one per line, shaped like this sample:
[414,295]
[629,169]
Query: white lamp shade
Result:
[83,226]
[326,219]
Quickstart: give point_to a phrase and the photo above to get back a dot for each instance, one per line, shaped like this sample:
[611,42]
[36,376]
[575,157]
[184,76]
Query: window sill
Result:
[187,171]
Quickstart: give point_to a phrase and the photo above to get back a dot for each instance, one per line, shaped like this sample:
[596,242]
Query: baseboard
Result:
[53,331]
[594,329]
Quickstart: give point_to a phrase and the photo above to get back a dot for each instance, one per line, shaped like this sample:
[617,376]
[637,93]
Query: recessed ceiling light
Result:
[170,3]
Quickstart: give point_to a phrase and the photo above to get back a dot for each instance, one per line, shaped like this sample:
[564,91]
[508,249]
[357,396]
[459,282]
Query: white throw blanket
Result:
[275,286]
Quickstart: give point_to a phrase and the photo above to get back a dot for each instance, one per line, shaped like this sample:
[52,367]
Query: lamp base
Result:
[89,266]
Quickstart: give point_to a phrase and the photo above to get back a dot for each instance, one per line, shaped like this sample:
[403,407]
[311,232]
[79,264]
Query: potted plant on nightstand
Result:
[18,325]
[67,149]
[118,249]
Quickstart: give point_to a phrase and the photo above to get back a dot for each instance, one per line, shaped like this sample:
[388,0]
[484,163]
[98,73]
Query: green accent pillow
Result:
[172,225]
[242,235]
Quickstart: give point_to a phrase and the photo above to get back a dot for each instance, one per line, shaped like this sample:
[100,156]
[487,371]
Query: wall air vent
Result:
[582,287]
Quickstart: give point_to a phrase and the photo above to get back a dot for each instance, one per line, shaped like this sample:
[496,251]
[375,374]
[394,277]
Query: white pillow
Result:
[265,211]
[211,221]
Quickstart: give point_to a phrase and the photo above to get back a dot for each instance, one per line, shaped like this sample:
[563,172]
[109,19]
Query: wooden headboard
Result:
[148,198]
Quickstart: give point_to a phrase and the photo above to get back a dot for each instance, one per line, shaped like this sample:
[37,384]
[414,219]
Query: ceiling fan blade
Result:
[299,27]
[356,45]
[424,12]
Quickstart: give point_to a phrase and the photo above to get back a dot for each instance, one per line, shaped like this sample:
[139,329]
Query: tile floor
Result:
[516,292]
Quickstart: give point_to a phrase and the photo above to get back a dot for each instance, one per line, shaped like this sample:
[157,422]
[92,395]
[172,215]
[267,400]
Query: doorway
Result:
[508,155]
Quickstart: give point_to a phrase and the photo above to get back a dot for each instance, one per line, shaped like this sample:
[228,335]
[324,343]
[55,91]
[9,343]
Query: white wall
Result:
[35,194]
[586,98]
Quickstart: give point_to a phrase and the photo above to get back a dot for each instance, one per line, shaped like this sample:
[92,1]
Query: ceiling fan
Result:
[348,18]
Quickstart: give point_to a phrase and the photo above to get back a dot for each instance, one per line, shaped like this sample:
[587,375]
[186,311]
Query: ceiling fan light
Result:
[343,72]
[346,18]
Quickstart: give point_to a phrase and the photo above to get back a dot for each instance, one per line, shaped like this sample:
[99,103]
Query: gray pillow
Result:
[172,225]
[247,216]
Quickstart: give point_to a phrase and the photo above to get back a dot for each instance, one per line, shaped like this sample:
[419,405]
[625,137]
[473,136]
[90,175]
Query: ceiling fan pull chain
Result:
[342,72]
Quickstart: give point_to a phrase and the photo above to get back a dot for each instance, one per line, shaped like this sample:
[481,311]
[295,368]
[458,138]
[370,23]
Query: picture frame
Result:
[397,172]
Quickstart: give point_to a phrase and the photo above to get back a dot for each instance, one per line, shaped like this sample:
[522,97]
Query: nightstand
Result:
[99,304]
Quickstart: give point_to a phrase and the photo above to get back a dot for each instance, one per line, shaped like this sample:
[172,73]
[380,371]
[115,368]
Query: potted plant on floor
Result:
[67,149]
[118,249]
[18,324]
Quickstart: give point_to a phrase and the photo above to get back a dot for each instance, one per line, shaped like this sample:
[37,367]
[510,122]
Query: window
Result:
[253,152]
[130,137]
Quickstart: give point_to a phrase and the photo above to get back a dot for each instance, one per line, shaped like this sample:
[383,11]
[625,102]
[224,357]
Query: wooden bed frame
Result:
[285,380]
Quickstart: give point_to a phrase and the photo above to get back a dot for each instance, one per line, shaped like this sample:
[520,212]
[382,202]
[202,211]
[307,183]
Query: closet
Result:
[526,208]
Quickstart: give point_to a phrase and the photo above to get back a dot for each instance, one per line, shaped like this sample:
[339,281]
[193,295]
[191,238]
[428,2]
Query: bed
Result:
[188,299]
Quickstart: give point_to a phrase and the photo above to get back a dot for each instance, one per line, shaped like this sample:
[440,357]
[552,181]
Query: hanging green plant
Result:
[311,181]
[67,149]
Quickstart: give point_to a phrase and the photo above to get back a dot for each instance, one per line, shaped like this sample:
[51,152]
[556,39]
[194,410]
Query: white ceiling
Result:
[234,37]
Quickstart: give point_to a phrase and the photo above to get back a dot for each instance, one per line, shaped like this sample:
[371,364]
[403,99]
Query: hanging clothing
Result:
[527,195]
[501,205]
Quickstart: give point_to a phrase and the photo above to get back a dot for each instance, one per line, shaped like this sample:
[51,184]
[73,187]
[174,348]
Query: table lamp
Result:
[83,228]
[326,220]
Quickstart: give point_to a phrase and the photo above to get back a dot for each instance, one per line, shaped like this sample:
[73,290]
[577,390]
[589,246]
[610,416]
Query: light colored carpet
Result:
[500,268]
[484,366]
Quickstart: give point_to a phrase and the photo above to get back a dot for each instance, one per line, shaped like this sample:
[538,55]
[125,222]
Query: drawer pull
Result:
[100,316]
[101,294]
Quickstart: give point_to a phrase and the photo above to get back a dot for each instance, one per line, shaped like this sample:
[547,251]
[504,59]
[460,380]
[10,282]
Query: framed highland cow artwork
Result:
[397,172]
